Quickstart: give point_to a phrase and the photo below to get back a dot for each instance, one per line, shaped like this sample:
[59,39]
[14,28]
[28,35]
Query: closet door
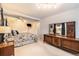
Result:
[71,29]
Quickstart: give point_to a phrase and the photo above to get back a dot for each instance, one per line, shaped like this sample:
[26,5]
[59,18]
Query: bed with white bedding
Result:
[22,39]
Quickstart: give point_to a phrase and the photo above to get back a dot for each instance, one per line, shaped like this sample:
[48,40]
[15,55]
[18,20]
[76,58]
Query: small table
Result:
[7,49]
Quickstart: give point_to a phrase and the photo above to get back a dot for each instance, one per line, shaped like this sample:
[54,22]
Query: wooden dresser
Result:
[7,49]
[63,42]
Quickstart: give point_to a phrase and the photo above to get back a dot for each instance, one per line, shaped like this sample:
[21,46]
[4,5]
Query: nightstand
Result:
[7,49]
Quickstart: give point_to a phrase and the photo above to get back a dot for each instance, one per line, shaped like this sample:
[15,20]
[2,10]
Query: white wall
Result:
[71,15]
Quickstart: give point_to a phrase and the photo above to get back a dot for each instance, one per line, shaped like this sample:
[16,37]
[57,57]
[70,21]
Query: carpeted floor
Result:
[40,49]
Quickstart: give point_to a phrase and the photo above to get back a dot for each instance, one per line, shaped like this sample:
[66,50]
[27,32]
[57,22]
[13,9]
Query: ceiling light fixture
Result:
[47,5]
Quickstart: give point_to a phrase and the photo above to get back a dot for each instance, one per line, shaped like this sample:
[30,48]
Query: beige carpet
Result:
[40,49]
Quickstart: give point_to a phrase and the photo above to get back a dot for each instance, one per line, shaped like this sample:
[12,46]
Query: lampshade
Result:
[5,29]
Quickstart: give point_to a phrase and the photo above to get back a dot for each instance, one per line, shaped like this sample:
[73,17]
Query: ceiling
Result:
[31,11]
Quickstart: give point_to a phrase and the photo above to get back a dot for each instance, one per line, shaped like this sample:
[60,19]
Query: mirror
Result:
[65,29]
[57,28]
